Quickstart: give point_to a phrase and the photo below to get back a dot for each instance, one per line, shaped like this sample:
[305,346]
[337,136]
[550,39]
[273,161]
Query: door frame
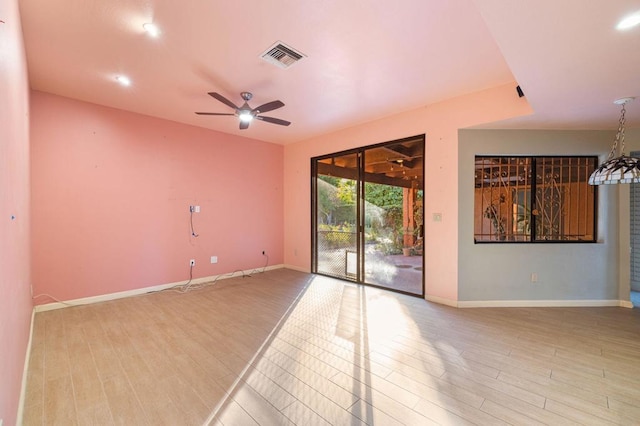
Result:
[360,152]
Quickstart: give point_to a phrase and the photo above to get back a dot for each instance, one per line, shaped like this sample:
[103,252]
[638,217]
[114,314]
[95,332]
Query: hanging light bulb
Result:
[621,169]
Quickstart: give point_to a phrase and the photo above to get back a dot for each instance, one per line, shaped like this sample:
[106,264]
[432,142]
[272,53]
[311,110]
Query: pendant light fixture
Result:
[621,169]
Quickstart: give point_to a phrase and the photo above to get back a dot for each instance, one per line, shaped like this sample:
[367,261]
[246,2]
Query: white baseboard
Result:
[626,304]
[25,372]
[442,301]
[528,303]
[298,268]
[537,303]
[138,291]
[434,299]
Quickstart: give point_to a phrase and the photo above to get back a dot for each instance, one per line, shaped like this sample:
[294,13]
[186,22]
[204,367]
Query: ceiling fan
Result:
[245,113]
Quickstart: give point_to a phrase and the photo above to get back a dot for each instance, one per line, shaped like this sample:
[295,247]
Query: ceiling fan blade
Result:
[273,120]
[269,106]
[244,125]
[222,99]
[214,113]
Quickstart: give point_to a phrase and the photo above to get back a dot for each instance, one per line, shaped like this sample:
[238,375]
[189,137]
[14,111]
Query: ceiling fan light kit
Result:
[620,169]
[245,116]
[245,113]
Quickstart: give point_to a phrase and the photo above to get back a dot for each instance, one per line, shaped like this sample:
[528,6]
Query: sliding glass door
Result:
[367,215]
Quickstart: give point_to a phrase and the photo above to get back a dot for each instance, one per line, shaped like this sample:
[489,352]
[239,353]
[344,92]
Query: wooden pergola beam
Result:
[350,173]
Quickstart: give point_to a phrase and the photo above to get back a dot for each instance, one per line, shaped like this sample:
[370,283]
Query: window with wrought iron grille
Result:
[534,199]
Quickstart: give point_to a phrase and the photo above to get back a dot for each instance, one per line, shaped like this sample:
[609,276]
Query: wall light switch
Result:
[197,209]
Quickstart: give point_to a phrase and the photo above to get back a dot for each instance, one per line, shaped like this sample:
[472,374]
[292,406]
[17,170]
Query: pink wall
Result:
[111,196]
[440,122]
[15,299]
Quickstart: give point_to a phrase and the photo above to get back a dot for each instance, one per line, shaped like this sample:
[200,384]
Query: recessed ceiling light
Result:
[629,22]
[123,80]
[151,29]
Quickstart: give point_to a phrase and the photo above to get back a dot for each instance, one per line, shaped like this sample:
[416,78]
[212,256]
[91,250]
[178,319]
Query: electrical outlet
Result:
[192,262]
[534,277]
[214,259]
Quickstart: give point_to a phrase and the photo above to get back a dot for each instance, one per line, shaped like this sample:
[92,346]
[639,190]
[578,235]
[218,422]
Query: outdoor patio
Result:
[396,271]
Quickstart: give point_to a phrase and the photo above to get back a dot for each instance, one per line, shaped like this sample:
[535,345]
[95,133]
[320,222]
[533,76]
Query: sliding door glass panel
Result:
[393,216]
[337,216]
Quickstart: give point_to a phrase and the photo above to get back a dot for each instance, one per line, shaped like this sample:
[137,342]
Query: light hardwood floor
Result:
[284,348]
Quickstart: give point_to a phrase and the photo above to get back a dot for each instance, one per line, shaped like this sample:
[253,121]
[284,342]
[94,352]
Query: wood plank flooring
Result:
[287,348]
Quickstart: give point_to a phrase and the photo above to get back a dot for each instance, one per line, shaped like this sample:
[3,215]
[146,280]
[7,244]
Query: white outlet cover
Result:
[214,259]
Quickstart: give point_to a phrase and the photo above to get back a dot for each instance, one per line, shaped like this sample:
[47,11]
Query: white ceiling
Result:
[366,59]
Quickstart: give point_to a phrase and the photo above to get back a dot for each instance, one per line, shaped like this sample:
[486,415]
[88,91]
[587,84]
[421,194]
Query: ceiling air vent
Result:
[282,55]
